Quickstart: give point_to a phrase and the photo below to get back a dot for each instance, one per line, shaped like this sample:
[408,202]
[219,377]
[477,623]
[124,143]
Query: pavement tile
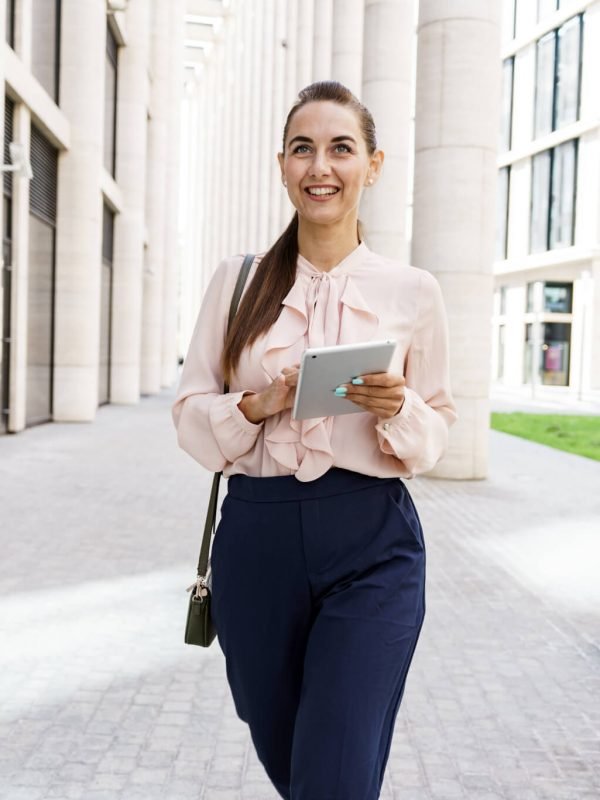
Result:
[501,701]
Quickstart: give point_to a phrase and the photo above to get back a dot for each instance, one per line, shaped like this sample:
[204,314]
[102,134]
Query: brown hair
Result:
[276,273]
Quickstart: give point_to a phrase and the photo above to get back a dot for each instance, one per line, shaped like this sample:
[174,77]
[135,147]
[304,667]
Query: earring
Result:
[284,182]
[370,181]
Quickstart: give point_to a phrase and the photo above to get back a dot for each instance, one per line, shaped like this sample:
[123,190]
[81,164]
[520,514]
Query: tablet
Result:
[322,369]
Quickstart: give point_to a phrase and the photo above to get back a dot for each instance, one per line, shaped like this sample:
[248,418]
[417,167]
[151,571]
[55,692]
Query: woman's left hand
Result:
[381,393]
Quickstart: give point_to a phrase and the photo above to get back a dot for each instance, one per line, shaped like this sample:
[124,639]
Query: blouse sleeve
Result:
[210,426]
[418,434]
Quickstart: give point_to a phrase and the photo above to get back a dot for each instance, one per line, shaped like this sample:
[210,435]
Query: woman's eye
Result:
[347,149]
[300,146]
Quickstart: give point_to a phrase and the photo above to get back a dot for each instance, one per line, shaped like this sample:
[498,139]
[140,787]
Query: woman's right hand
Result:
[278,396]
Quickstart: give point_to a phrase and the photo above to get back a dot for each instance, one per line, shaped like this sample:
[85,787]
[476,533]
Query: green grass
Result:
[575,434]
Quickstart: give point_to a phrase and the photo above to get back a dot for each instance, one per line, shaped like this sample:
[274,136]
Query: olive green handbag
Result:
[199,628]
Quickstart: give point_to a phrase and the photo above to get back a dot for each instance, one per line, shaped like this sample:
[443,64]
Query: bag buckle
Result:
[199,586]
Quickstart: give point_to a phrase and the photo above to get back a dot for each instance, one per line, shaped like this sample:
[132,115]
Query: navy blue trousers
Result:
[318,597]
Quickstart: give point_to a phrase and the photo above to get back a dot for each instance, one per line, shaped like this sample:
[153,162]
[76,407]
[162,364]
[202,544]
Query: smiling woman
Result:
[318,563]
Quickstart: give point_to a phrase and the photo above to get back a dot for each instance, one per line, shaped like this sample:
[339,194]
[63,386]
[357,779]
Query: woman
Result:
[318,563]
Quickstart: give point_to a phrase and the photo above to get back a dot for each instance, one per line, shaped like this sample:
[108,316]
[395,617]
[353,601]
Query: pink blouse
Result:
[365,297]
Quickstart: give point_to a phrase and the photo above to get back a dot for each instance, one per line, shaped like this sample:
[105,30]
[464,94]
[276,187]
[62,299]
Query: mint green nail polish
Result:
[341,391]
[357,381]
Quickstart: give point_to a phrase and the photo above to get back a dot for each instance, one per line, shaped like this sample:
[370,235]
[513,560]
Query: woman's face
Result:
[326,164]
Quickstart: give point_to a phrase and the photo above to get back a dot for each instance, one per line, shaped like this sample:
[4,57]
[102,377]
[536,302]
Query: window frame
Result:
[546,198]
[550,208]
[506,140]
[55,73]
[9,34]
[502,248]
[554,33]
[540,17]
[112,54]
[552,205]
[537,133]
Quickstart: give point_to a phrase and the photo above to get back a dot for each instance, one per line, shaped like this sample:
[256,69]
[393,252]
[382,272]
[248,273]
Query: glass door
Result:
[556,349]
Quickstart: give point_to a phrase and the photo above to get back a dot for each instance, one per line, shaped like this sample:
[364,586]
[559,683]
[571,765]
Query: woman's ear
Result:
[375,166]
[281,162]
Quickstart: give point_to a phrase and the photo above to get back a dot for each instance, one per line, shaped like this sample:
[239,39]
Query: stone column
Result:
[191,210]
[387,74]
[226,136]
[219,195]
[304,52]
[322,36]
[267,157]
[277,121]
[242,142]
[156,205]
[456,133]
[292,87]
[79,212]
[238,128]
[132,126]
[250,138]
[209,125]
[172,264]
[347,43]
[17,401]
[252,199]
[23,30]
[291,54]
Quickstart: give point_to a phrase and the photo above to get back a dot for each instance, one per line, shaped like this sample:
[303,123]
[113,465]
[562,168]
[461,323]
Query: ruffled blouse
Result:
[364,298]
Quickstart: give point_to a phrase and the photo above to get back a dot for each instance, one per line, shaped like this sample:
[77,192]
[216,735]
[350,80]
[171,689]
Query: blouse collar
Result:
[353,259]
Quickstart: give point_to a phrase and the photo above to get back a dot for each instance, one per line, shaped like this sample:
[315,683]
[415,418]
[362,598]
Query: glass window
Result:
[558,297]
[503,188]
[110,101]
[45,45]
[562,207]
[556,347]
[40,321]
[106,306]
[10,22]
[540,198]
[501,348]
[558,77]
[544,84]
[528,354]
[503,300]
[530,303]
[568,71]
[507,100]
[509,8]
[545,8]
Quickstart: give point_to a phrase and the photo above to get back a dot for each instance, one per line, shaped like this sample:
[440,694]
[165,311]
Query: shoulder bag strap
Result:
[211,513]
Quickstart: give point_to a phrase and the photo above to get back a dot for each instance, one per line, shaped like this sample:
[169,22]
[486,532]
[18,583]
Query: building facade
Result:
[546,321]
[89,216]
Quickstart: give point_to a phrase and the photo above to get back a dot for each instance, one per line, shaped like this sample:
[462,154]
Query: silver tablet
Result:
[322,369]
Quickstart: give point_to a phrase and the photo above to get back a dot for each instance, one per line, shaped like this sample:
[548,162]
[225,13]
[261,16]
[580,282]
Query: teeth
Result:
[322,191]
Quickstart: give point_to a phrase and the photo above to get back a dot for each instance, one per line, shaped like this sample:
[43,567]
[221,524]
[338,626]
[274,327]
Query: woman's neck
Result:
[323,246]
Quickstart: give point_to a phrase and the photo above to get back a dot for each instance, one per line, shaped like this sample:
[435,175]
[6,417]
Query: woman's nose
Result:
[319,164]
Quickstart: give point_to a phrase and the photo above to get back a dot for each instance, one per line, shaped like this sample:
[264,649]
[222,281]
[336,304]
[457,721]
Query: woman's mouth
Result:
[321,193]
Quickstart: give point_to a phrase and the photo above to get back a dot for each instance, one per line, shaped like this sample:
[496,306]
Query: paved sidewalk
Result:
[543,400]
[100,699]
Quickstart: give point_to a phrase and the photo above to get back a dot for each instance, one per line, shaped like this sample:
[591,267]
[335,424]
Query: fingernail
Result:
[357,381]
[341,391]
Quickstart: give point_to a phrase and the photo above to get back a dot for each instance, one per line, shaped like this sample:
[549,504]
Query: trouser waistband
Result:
[287,488]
